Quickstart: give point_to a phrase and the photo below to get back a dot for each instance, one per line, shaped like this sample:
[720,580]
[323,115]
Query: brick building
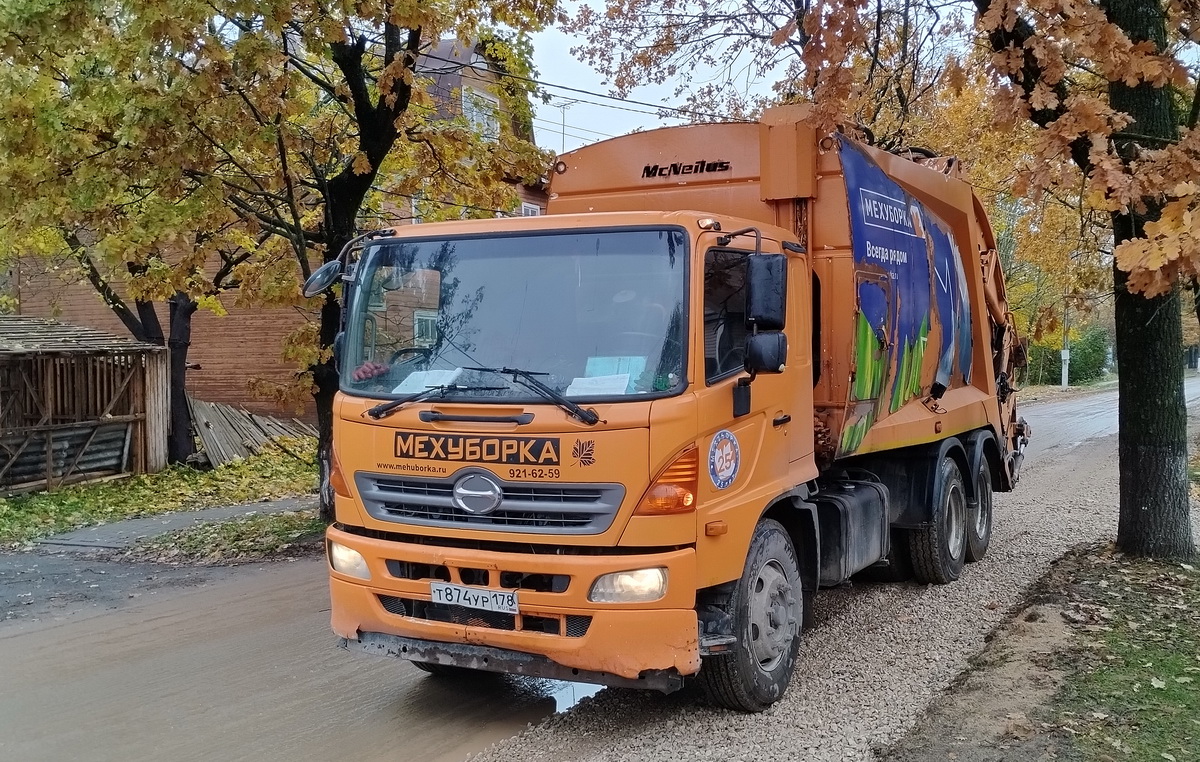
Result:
[228,352]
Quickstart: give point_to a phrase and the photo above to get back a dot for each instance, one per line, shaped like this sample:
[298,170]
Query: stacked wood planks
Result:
[227,433]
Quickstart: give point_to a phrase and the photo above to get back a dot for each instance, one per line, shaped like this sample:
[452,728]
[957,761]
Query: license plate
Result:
[503,601]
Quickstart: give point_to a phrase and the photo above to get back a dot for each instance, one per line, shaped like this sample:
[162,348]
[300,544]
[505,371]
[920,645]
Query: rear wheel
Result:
[768,608]
[939,550]
[979,514]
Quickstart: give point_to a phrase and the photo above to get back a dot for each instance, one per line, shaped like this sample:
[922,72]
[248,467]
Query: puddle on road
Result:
[567,695]
[563,693]
[498,707]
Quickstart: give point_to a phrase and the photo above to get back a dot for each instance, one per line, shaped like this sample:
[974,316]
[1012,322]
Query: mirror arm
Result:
[344,255]
[726,239]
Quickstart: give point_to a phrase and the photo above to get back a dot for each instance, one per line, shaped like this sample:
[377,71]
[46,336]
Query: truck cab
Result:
[591,510]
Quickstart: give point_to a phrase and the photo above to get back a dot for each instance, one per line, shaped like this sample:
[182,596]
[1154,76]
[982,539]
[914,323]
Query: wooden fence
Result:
[74,410]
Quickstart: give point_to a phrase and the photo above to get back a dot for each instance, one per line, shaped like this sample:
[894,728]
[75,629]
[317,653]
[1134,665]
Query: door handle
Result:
[781,420]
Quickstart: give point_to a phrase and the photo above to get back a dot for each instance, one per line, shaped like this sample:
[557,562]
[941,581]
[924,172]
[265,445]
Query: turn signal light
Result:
[337,479]
[674,491]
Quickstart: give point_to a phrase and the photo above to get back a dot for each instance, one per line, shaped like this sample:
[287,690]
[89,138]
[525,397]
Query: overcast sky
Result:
[588,118]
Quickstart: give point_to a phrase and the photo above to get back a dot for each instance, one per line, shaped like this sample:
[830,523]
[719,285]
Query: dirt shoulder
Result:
[1101,663]
[1054,393]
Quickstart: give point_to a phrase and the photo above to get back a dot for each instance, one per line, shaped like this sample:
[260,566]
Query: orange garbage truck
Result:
[627,441]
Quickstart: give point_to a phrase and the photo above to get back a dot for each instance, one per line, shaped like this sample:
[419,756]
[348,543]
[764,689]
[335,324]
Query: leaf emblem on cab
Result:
[584,452]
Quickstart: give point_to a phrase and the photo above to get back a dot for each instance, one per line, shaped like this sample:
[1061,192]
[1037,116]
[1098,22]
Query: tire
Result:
[768,608]
[979,514]
[444,670]
[938,551]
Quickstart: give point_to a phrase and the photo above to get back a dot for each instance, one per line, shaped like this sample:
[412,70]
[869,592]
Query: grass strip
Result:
[1134,692]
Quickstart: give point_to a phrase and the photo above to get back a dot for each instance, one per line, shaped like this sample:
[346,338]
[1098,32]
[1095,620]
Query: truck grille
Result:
[571,625]
[525,507]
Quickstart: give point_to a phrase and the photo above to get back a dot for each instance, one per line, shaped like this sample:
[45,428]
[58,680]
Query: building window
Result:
[425,328]
[530,210]
[482,111]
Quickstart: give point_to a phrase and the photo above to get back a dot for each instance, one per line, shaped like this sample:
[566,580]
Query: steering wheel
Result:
[733,357]
[425,353]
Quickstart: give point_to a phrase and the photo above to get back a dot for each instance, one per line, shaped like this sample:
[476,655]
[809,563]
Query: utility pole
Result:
[1066,343]
[562,107]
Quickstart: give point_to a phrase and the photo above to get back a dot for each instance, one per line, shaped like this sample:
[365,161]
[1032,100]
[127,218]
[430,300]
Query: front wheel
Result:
[768,608]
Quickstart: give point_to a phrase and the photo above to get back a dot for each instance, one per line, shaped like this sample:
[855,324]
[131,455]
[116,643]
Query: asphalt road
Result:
[244,667]
[1067,423]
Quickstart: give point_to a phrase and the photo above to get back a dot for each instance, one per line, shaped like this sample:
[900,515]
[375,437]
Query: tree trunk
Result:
[181,444]
[325,379]
[1152,442]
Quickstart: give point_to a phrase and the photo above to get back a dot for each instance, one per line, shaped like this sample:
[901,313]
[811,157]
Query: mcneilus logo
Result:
[679,168]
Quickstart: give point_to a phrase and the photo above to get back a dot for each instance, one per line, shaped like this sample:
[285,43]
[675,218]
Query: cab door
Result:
[736,451]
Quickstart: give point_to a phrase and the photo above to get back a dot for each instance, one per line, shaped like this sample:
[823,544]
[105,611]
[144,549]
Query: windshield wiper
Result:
[385,408]
[529,380]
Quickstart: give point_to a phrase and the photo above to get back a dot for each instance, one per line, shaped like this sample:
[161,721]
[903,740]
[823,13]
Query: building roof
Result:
[22,334]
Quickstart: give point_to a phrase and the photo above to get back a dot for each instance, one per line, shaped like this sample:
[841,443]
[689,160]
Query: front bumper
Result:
[490,659]
[616,644]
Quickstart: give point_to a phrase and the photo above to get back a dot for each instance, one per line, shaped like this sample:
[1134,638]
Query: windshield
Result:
[589,315]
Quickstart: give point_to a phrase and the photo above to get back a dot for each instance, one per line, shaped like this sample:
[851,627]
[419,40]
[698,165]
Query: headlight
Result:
[638,586]
[348,561]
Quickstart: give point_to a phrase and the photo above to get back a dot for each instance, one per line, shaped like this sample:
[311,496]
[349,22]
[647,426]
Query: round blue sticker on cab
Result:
[724,458]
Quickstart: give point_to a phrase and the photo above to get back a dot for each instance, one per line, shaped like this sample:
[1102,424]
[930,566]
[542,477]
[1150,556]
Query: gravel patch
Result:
[879,653]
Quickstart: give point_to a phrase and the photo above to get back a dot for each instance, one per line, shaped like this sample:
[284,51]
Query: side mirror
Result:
[324,277]
[766,291]
[766,352]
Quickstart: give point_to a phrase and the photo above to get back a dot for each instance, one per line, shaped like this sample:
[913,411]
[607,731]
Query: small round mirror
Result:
[323,278]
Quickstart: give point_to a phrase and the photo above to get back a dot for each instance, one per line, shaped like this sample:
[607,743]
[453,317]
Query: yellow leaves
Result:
[954,77]
[1008,61]
[212,304]
[781,35]
[1170,248]
[1043,97]
[361,165]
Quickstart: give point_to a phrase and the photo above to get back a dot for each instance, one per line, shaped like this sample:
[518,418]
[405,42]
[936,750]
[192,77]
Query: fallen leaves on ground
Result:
[1133,691]
[277,472]
[251,538]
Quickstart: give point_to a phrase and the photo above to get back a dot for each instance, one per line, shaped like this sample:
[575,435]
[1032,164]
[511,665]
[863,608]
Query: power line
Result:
[425,200]
[659,107]
[571,127]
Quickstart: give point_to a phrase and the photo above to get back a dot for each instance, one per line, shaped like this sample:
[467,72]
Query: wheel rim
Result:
[956,520]
[773,617]
[983,511]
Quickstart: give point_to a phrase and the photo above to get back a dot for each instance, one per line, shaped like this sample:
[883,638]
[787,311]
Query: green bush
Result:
[1089,354]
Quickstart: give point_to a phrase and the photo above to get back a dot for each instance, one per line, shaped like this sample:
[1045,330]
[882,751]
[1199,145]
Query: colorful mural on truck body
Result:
[911,288]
